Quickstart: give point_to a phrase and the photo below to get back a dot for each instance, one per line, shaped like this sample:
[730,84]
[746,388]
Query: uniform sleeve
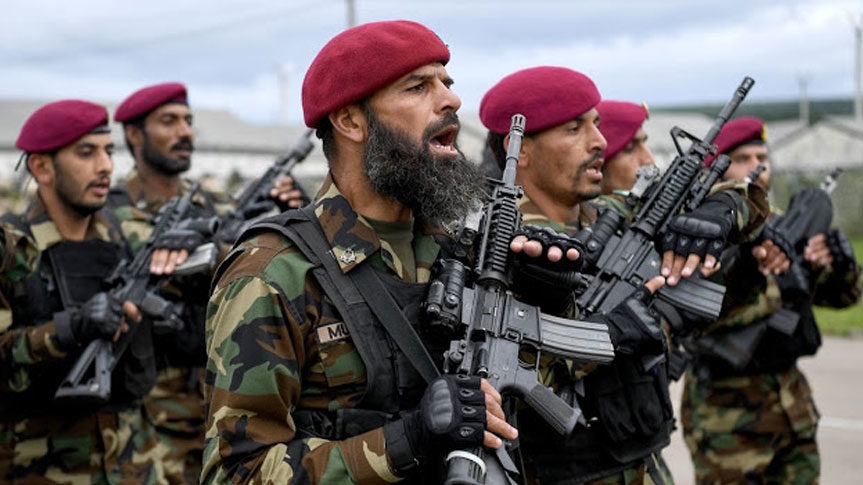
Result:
[22,347]
[752,211]
[256,356]
[838,289]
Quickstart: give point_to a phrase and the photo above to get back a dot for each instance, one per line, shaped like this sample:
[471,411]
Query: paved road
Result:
[836,376]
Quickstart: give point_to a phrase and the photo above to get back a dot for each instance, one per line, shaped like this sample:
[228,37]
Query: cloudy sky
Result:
[232,53]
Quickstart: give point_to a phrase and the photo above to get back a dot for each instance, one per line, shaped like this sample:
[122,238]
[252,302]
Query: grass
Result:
[847,321]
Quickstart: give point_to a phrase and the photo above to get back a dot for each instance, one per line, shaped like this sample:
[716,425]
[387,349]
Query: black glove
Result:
[99,317]
[538,281]
[634,327]
[451,416]
[841,250]
[702,231]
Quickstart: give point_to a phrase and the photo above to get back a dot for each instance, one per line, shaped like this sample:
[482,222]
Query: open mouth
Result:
[100,186]
[594,168]
[444,140]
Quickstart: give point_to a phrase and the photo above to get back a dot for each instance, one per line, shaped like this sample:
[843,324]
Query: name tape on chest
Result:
[333,332]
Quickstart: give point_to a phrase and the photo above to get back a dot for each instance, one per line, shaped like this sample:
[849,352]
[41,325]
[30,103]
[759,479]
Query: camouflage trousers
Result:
[752,430]
[644,474]
[656,473]
[175,410]
[91,449]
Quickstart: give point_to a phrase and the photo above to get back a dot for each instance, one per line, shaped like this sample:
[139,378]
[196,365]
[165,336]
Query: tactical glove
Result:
[841,250]
[99,317]
[451,416]
[538,281]
[634,327]
[702,231]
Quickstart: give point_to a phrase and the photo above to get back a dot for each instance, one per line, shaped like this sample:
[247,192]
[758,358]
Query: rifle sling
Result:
[361,280]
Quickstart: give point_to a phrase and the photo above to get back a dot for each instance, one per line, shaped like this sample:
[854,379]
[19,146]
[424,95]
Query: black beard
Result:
[438,189]
[67,192]
[162,162]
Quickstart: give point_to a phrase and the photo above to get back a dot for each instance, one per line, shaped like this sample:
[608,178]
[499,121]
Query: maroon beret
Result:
[147,99]
[619,121]
[746,129]
[364,59]
[57,124]
[547,96]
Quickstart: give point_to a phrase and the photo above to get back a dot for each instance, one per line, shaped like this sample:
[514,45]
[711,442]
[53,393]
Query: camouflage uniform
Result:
[42,444]
[600,467]
[750,426]
[276,346]
[175,405]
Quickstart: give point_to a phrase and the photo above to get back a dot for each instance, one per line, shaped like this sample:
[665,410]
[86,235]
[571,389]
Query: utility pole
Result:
[284,74]
[803,81]
[858,75]
[352,12]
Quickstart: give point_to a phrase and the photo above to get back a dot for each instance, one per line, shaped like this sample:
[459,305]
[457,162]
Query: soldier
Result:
[59,308]
[626,148]
[561,169]
[299,390]
[157,125]
[752,419]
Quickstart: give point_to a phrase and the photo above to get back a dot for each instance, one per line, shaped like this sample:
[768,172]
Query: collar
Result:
[352,238]
[149,202]
[531,214]
[46,234]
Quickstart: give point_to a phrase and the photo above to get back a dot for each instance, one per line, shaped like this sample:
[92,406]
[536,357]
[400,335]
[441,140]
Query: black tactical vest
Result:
[67,275]
[634,419]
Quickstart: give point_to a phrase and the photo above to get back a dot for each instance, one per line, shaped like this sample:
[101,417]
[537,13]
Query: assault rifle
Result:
[810,212]
[497,327]
[622,264]
[89,381]
[255,199]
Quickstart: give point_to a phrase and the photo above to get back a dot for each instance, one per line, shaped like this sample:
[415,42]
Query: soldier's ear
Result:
[523,154]
[41,165]
[134,134]
[350,122]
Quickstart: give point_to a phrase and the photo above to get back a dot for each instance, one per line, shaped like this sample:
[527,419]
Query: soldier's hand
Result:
[102,316]
[697,237]
[165,261]
[287,193]
[546,268]
[817,252]
[535,249]
[634,326]
[496,424]
[771,258]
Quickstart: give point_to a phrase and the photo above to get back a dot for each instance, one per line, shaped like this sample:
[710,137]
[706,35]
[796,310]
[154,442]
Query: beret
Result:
[147,99]
[363,59]
[57,124]
[619,121]
[547,96]
[737,132]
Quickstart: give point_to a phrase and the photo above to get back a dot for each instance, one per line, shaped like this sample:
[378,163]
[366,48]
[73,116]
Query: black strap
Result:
[376,295]
[360,286]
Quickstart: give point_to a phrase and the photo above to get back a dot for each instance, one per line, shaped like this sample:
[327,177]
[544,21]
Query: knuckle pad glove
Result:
[702,231]
[451,415]
[634,327]
[99,317]
[544,283]
[840,249]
